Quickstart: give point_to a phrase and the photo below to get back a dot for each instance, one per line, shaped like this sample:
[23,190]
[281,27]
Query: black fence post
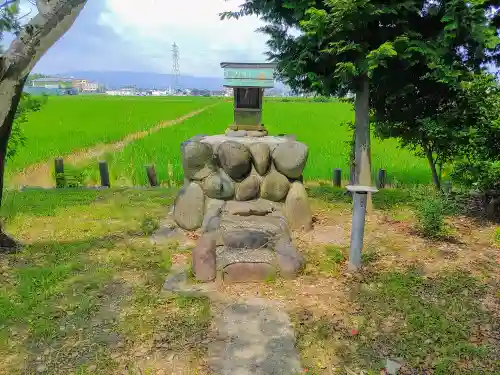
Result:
[382,178]
[59,171]
[337,177]
[104,172]
[150,171]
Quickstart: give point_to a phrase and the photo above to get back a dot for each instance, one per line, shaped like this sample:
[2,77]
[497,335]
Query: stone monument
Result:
[243,191]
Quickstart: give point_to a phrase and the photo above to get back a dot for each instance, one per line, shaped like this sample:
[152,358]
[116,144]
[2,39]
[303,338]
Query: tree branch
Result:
[6,3]
[55,17]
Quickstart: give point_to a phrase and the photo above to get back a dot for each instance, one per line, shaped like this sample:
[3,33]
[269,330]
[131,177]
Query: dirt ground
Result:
[85,295]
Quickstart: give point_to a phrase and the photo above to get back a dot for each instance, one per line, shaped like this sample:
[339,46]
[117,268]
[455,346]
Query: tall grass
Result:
[67,124]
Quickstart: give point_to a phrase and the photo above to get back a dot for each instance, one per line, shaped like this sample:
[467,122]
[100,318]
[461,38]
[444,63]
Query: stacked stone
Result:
[245,193]
[243,171]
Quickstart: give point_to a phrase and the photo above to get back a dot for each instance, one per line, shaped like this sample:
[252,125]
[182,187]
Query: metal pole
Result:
[357,231]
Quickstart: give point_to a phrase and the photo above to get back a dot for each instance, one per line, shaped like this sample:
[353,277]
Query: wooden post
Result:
[337,177]
[59,171]
[382,178]
[150,171]
[447,187]
[103,170]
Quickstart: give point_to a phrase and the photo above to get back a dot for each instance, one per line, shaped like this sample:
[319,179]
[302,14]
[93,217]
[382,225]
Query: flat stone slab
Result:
[226,256]
[258,207]
[246,265]
[275,225]
[255,337]
[252,232]
[216,140]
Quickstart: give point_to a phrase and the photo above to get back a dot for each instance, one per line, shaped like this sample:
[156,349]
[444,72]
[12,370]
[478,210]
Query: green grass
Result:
[84,296]
[67,124]
[428,322]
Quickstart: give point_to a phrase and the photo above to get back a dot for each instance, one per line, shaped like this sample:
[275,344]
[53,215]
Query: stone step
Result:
[245,265]
[252,232]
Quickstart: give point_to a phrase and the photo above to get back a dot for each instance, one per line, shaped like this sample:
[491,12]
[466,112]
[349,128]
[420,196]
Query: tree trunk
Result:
[53,19]
[362,133]
[363,175]
[10,95]
[435,176]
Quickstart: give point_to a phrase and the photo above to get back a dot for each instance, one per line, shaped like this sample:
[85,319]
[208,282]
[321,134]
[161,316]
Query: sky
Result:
[111,35]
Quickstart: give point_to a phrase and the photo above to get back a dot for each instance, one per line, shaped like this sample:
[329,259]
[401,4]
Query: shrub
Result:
[479,175]
[430,216]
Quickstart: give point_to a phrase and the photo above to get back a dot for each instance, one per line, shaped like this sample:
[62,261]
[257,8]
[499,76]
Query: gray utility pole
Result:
[360,194]
[176,70]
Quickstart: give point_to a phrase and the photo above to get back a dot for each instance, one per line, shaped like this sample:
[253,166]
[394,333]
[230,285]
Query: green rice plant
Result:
[318,124]
[321,127]
[162,149]
[71,123]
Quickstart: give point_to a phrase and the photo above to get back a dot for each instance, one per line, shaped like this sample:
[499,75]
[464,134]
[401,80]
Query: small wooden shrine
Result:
[248,81]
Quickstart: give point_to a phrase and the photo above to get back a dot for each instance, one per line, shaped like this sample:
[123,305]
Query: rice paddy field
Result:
[69,124]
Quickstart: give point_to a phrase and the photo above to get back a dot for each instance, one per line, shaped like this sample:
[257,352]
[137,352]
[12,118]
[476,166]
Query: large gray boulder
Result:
[261,155]
[235,158]
[204,258]
[218,185]
[248,188]
[297,209]
[213,209]
[274,187]
[290,261]
[197,160]
[290,158]
[189,207]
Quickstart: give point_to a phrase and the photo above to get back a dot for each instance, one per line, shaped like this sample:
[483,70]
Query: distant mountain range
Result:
[143,80]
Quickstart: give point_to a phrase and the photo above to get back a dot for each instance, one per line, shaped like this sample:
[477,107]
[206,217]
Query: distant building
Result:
[78,85]
[53,83]
[126,91]
[83,85]
[159,93]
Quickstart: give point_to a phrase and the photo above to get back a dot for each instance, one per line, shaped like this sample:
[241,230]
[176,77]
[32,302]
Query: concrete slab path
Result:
[254,337]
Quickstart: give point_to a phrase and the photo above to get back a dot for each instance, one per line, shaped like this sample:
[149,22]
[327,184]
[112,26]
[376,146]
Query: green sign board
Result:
[248,75]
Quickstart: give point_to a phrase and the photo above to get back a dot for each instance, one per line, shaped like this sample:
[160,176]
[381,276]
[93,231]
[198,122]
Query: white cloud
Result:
[203,39]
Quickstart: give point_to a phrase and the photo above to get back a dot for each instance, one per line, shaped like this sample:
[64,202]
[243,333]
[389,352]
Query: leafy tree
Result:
[27,104]
[32,40]
[478,162]
[34,76]
[372,47]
